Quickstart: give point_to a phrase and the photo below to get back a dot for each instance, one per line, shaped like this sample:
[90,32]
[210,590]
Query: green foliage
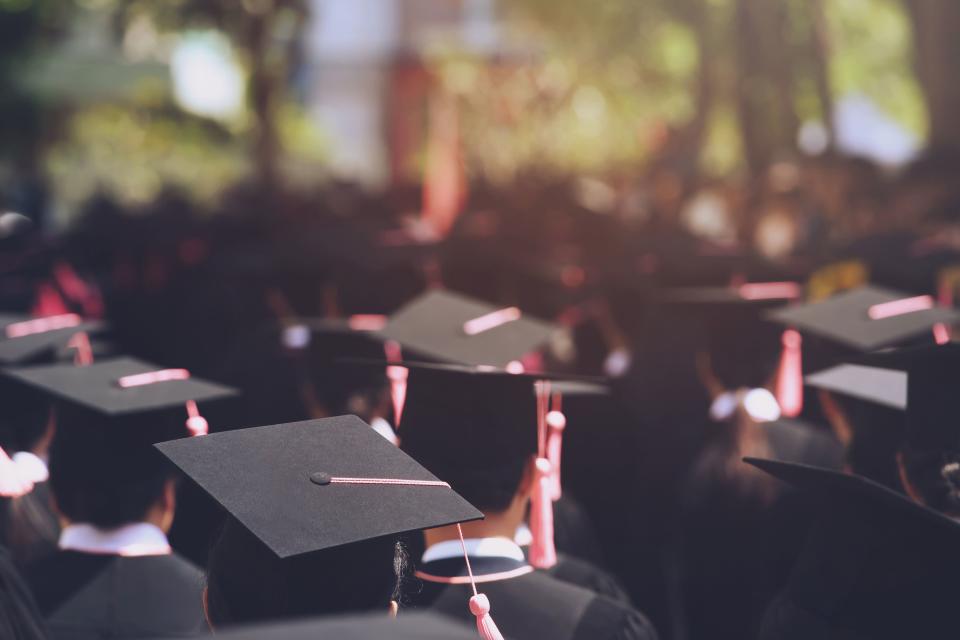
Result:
[872,45]
[132,152]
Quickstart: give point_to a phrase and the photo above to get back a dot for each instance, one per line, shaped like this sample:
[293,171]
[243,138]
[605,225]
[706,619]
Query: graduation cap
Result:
[414,626]
[309,486]
[472,423]
[744,345]
[24,339]
[123,388]
[878,564]
[867,318]
[453,328]
[873,384]
[932,377]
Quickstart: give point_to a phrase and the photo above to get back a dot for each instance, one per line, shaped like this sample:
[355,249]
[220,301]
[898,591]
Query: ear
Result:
[528,478]
[170,495]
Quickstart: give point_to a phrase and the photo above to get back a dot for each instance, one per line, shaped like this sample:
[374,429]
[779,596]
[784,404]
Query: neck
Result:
[494,525]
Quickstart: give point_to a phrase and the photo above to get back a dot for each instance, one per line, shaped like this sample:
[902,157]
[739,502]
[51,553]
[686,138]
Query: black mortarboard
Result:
[109,387]
[876,565]
[24,339]
[867,318]
[415,626]
[873,384]
[743,345]
[462,417]
[933,374]
[450,327]
[284,484]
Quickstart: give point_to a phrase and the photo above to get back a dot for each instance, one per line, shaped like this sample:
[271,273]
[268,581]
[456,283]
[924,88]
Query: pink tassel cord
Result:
[479,603]
[83,352]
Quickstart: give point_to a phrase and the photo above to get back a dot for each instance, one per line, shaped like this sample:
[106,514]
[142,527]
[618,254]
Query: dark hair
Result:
[19,616]
[247,583]
[490,489]
[935,475]
[26,416]
[109,475]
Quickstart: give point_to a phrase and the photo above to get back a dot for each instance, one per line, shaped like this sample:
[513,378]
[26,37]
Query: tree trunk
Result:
[765,98]
[936,24]
[820,59]
[262,96]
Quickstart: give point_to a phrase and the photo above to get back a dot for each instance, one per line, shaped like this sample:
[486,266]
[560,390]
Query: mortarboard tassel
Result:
[196,423]
[543,554]
[83,352]
[479,603]
[790,375]
[556,422]
[48,302]
[398,380]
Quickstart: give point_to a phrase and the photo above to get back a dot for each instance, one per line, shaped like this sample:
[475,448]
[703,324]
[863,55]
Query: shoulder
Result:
[606,618]
[56,577]
[589,576]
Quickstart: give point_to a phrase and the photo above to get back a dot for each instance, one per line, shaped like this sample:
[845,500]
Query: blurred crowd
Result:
[702,544]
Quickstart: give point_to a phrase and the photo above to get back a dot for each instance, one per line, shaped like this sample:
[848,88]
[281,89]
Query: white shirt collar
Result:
[476,548]
[383,427]
[137,539]
[31,466]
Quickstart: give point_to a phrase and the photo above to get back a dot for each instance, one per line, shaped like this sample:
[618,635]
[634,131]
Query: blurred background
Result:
[213,176]
[127,99]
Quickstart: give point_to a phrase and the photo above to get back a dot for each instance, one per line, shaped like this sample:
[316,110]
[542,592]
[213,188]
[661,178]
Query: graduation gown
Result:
[527,604]
[85,596]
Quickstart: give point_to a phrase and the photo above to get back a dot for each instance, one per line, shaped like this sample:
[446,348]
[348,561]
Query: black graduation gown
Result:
[86,596]
[530,605]
[588,576]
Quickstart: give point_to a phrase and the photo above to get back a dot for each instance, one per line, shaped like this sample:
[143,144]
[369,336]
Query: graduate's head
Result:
[105,472]
[477,431]
[316,508]
[247,582]
[26,421]
[103,468]
[929,456]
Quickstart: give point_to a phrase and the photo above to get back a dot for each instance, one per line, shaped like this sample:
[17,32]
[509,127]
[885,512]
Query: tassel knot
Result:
[486,627]
[196,423]
[479,605]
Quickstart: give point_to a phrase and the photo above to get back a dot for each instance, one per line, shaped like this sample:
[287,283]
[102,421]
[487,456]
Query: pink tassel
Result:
[543,554]
[557,422]
[48,302]
[479,604]
[398,380]
[196,423]
[480,607]
[790,376]
[83,352]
